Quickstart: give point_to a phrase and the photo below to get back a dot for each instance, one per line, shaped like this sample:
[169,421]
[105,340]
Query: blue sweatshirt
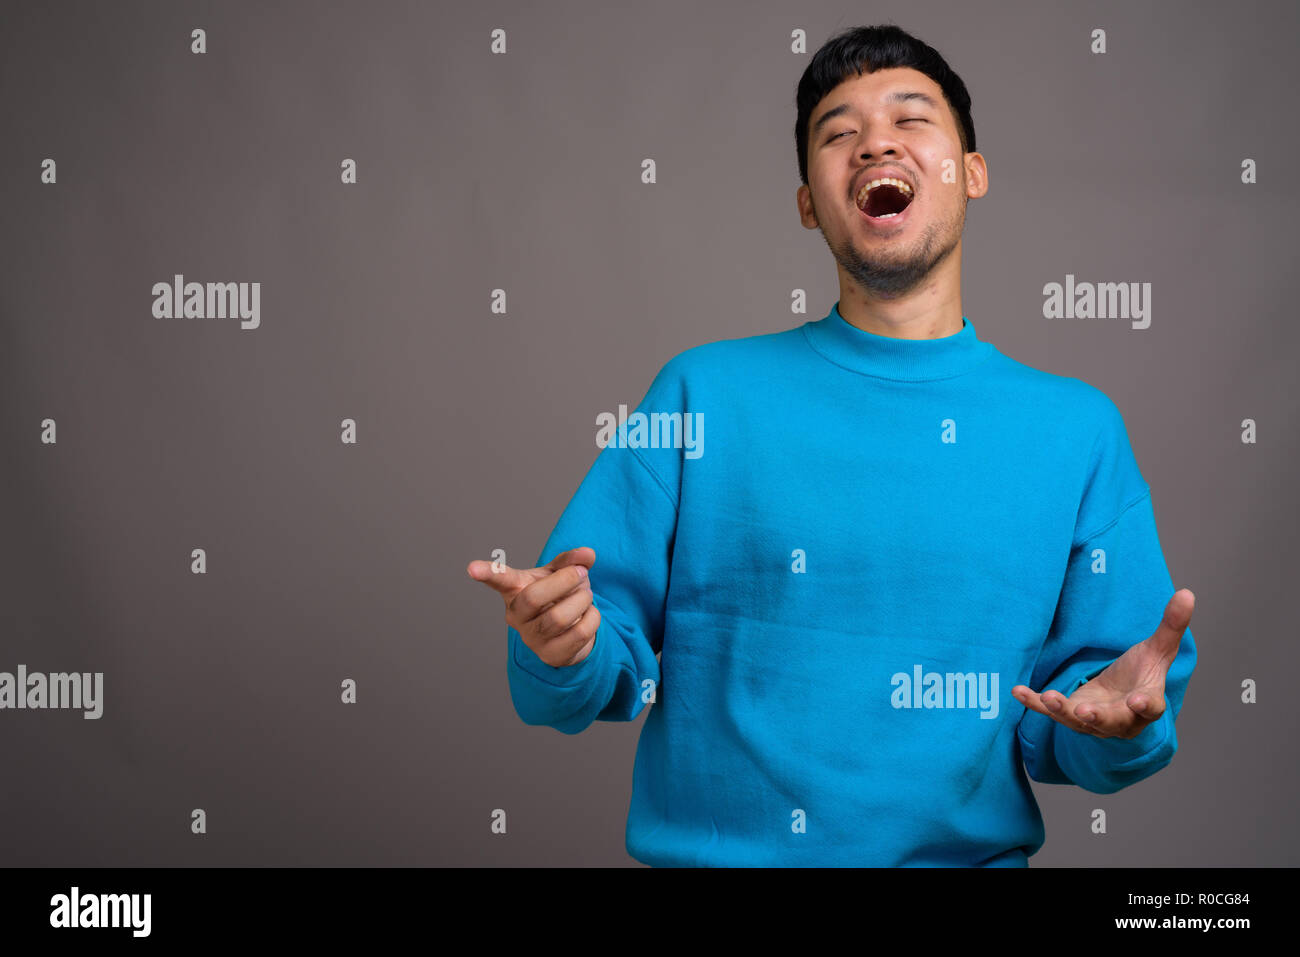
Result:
[823,559]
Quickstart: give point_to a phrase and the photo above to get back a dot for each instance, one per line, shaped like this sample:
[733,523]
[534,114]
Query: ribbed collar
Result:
[911,360]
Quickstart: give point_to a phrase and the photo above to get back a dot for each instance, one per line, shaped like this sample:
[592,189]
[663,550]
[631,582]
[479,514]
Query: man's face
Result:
[867,132]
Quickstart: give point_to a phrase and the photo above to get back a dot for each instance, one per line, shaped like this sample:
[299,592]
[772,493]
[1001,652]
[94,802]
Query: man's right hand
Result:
[551,607]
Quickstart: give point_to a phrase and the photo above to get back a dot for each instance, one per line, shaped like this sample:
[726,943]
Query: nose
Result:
[878,139]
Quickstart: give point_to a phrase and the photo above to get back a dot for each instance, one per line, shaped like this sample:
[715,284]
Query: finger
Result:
[1147,707]
[1178,615]
[1104,722]
[1053,704]
[1118,722]
[585,632]
[1031,699]
[533,599]
[1063,710]
[574,556]
[506,581]
[561,616]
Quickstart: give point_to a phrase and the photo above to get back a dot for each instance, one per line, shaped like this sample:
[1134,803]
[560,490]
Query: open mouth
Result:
[884,198]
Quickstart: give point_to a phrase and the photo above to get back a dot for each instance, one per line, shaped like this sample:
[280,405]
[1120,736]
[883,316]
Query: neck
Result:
[892,357]
[931,311]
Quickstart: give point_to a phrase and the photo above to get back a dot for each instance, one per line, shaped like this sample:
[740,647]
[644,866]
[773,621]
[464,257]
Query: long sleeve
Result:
[627,512]
[1114,594]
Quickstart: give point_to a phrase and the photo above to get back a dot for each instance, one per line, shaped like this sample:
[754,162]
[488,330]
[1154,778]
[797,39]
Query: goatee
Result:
[898,271]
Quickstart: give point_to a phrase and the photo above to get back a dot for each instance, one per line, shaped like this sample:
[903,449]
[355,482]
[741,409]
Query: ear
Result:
[977,175]
[807,215]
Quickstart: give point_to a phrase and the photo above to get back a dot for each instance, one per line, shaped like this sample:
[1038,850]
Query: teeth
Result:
[886,180]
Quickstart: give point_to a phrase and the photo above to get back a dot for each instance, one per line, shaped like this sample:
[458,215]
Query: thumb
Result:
[574,556]
[1177,616]
[506,582]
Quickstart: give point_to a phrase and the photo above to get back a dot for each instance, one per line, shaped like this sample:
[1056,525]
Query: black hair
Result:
[865,50]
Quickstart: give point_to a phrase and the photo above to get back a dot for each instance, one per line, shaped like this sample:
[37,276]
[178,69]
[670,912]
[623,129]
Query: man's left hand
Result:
[1130,693]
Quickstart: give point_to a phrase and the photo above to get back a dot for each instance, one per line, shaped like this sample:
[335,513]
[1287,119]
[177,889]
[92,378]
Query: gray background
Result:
[522,172]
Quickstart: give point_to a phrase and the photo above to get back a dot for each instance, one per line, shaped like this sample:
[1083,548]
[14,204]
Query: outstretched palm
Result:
[1130,693]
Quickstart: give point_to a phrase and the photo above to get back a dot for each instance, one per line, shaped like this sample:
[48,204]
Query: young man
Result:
[905,570]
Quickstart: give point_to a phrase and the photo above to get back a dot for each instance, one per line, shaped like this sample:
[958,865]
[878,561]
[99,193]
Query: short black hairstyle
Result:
[865,50]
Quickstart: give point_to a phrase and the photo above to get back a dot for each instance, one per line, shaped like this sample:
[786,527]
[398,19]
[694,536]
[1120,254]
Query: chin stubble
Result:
[900,271]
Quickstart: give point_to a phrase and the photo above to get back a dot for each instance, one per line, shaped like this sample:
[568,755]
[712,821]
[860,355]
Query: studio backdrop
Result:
[442,239]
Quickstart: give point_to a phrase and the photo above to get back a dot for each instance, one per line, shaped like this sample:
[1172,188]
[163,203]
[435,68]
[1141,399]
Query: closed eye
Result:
[909,119]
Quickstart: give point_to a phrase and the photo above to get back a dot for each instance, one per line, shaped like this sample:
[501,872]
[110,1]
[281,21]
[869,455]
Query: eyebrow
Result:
[896,97]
